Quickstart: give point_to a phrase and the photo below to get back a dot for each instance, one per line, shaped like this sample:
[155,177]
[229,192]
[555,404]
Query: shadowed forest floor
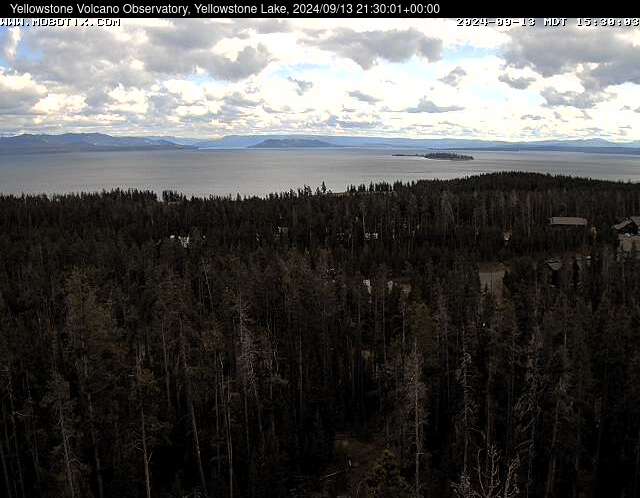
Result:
[355,459]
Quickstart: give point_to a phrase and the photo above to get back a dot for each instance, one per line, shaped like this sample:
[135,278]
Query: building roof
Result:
[623,224]
[568,221]
[635,219]
[554,263]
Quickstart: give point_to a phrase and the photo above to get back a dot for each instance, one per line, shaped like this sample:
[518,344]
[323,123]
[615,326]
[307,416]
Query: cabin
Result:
[629,226]
[402,284]
[367,283]
[554,265]
[281,232]
[184,241]
[491,277]
[574,263]
[567,221]
[628,234]
[628,243]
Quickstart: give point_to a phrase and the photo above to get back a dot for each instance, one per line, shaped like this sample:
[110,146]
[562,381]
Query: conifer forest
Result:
[465,338]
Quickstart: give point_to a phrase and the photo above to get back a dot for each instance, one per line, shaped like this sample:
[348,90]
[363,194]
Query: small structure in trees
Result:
[555,266]
[567,221]
[491,277]
[184,240]
[367,283]
[628,243]
[629,226]
[628,234]
[403,284]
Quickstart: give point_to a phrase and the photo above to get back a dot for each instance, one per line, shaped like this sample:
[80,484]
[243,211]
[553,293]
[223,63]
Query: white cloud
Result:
[411,77]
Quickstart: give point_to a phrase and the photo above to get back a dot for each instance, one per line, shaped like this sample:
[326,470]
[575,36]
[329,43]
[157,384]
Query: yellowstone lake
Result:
[260,172]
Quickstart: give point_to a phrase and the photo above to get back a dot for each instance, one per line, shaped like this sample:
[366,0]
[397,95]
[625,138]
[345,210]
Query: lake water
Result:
[223,172]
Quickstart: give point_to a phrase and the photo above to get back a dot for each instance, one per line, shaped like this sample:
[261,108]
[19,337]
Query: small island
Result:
[443,156]
[291,143]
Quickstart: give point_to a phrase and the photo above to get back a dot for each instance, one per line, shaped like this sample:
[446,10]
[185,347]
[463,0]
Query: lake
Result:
[251,171]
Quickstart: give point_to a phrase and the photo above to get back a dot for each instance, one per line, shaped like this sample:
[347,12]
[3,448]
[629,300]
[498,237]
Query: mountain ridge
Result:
[75,142]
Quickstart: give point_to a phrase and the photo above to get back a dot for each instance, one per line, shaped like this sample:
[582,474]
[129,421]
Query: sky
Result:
[206,78]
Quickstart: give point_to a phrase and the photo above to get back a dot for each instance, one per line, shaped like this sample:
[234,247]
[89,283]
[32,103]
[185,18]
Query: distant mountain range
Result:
[71,142]
[292,143]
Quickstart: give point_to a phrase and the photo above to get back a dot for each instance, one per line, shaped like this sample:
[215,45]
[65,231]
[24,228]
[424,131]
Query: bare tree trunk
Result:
[65,444]
[96,454]
[384,332]
[167,381]
[300,372]
[551,474]
[217,410]
[192,415]
[33,436]
[146,458]
[15,434]
[246,421]
[636,470]
[417,413]
[227,414]
[92,428]
[5,471]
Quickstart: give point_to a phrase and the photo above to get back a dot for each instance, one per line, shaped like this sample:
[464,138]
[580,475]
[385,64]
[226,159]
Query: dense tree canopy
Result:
[222,347]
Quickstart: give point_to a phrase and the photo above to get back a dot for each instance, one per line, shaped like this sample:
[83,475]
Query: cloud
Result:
[136,56]
[599,57]
[520,83]
[336,122]
[57,102]
[249,61]
[19,93]
[204,77]
[579,100]
[267,26]
[454,77]
[426,105]
[236,99]
[302,85]
[368,48]
[10,45]
[363,97]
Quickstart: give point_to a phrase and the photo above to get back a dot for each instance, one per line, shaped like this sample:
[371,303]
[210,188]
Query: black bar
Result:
[484,12]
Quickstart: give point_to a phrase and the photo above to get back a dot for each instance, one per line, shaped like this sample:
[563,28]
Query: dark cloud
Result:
[579,100]
[363,97]
[236,99]
[615,59]
[249,61]
[429,106]
[18,101]
[86,60]
[267,26]
[368,47]
[301,85]
[559,117]
[189,34]
[520,83]
[272,110]
[336,122]
[454,77]
[236,106]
